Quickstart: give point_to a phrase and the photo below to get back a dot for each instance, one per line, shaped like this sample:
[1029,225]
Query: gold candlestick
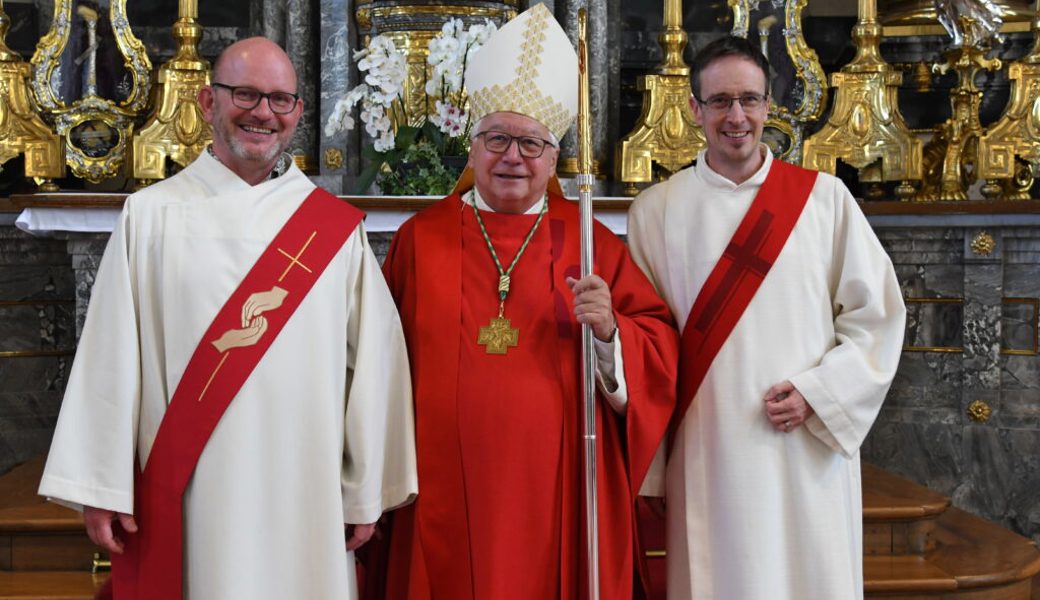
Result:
[666,132]
[176,129]
[866,127]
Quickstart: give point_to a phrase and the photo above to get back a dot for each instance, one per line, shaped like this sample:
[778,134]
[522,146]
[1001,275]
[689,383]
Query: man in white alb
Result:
[792,324]
[242,363]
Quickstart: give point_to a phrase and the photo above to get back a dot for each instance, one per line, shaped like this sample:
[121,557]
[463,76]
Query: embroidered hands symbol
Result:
[261,302]
[253,323]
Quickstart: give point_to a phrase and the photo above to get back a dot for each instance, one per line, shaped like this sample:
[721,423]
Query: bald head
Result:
[252,54]
[249,135]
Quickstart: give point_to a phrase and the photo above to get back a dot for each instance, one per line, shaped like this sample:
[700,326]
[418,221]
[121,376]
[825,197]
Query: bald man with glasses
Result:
[239,411]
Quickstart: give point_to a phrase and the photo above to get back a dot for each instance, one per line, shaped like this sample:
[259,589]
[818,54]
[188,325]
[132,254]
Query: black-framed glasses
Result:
[500,141]
[723,103]
[247,98]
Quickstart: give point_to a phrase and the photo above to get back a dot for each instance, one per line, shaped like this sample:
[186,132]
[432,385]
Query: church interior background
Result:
[938,137]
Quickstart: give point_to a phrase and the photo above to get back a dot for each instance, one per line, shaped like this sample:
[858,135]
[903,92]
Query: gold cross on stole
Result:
[498,335]
[294,261]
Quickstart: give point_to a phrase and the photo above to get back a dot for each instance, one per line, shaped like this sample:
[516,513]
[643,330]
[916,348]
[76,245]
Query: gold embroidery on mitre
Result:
[522,94]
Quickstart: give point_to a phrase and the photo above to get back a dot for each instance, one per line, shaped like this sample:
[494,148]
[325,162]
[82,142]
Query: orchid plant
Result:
[443,131]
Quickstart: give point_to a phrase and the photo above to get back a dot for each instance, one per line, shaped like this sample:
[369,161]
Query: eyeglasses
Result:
[248,98]
[499,143]
[724,103]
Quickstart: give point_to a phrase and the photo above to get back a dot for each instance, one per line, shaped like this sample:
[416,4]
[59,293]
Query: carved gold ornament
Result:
[333,158]
[666,132]
[91,94]
[950,156]
[21,129]
[979,411]
[866,126]
[983,244]
[1016,136]
[176,129]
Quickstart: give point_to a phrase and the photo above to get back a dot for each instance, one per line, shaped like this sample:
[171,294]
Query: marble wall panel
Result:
[27,422]
[923,431]
[37,307]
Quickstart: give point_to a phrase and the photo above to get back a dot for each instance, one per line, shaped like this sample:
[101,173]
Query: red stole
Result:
[732,284]
[438,519]
[151,566]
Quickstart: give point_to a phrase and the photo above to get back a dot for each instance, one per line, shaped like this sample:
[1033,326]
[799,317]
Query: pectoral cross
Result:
[498,335]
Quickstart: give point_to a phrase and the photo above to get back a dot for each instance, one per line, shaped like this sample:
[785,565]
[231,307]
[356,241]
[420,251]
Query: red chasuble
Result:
[501,510]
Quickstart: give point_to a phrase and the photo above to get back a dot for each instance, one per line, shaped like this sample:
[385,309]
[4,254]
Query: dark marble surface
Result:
[37,304]
[924,431]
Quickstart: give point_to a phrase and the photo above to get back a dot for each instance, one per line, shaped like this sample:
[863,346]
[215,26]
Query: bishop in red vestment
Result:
[500,512]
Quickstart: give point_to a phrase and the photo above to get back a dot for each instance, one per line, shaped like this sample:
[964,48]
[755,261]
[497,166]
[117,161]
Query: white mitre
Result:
[528,67]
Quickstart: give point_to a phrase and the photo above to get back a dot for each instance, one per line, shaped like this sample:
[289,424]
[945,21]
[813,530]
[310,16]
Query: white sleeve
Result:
[847,387]
[379,471]
[610,373]
[92,456]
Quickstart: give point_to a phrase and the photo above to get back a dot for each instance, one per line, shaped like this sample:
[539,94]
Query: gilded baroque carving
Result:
[1014,140]
[92,101]
[666,132]
[866,126]
[176,129]
[21,129]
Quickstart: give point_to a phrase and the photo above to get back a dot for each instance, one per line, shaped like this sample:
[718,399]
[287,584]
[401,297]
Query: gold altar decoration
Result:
[333,158]
[902,18]
[786,121]
[866,129]
[1012,144]
[21,129]
[91,95]
[979,411]
[666,132]
[176,129]
[983,244]
[952,155]
[411,26]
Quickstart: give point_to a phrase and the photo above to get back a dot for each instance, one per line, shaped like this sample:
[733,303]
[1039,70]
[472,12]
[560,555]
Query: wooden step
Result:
[899,516]
[44,585]
[36,535]
[973,559]
[45,553]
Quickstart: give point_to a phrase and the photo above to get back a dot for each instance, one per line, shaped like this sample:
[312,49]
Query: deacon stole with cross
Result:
[150,567]
[743,267]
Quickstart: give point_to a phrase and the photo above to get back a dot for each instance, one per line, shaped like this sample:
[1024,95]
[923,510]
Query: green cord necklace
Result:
[498,335]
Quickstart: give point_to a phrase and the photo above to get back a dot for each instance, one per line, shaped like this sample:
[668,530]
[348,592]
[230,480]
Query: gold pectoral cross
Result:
[498,335]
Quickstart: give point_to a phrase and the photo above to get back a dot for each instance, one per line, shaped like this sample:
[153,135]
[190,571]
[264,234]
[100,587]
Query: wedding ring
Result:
[787,424]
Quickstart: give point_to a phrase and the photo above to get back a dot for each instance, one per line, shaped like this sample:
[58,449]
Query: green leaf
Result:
[367,176]
[369,152]
[432,133]
[406,136]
